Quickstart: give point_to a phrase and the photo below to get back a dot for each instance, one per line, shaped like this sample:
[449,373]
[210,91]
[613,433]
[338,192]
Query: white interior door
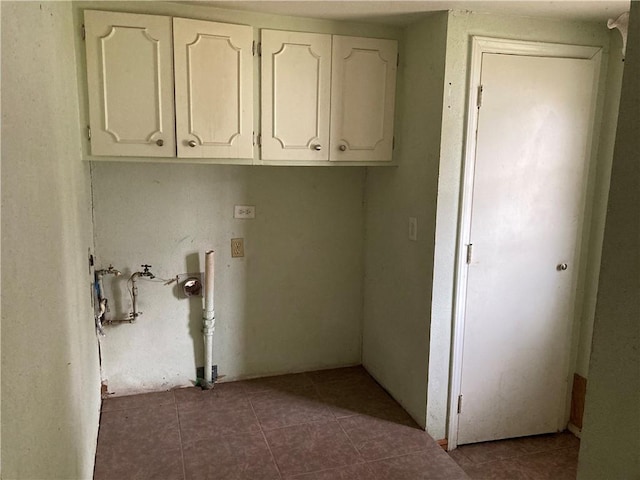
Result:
[532,151]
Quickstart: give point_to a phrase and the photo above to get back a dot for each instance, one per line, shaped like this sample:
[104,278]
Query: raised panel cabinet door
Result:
[214,89]
[130,82]
[296,76]
[363,88]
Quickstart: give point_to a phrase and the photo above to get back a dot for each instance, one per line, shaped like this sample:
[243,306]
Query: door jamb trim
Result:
[481,45]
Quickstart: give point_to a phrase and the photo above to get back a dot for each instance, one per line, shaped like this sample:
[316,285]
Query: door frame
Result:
[481,45]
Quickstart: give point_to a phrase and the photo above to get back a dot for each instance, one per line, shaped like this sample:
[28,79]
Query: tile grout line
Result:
[405,454]
[264,437]
[528,454]
[321,401]
[327,401]
[320,422]
[315,422]
[411,452]
[136,408]
[553,450]
[364,460]
[460,453]
[184,466]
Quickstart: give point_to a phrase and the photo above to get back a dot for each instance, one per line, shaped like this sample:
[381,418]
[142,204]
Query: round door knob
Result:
[316,147]
[192,143]
[160,142]
[562,267]
[342,147]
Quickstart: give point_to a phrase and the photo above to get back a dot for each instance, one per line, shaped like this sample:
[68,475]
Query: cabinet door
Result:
[214,89]
[296,74]
[130,81]
[363,87]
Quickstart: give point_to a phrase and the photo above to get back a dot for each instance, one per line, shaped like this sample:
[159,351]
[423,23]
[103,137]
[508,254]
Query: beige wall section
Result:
[611,431]
[398,271]
[461,27]
[293,303]
[50,369]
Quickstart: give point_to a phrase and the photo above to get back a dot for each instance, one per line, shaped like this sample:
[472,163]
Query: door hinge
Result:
[469,252]
[398,60]
[459,404]
[393,143]
[83,32]
[256,49]
[88,132]
[480,91]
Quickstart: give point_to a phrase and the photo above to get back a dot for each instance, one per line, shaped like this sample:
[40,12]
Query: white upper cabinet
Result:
[214,89]
[296,82]
[363,90]
[130,80]
[327,98]
[174,87]
[130,73]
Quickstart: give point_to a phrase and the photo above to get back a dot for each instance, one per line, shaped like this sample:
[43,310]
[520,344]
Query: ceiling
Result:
[404,12]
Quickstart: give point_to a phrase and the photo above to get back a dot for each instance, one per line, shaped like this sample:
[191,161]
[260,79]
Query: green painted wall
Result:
[599,192]
[50,369]
[398,271]
[610,446]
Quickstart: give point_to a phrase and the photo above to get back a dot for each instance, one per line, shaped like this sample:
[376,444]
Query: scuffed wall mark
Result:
[180,242]
[186,237]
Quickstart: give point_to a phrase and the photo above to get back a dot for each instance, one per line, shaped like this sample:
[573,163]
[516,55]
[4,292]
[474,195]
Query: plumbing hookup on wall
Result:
[108,292]
[292,301]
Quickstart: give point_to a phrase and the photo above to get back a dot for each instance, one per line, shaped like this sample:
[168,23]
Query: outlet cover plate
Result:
[244,211]
[237,247]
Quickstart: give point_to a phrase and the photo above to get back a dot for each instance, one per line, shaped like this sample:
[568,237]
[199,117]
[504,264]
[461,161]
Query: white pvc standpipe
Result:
[208,317]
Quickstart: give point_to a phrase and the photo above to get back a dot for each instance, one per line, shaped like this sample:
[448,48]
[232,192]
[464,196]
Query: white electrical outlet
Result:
[413,228]
[244,211]
[237,247]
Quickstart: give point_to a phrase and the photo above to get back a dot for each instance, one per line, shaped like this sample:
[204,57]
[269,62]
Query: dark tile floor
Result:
[543,457]
[328,425]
